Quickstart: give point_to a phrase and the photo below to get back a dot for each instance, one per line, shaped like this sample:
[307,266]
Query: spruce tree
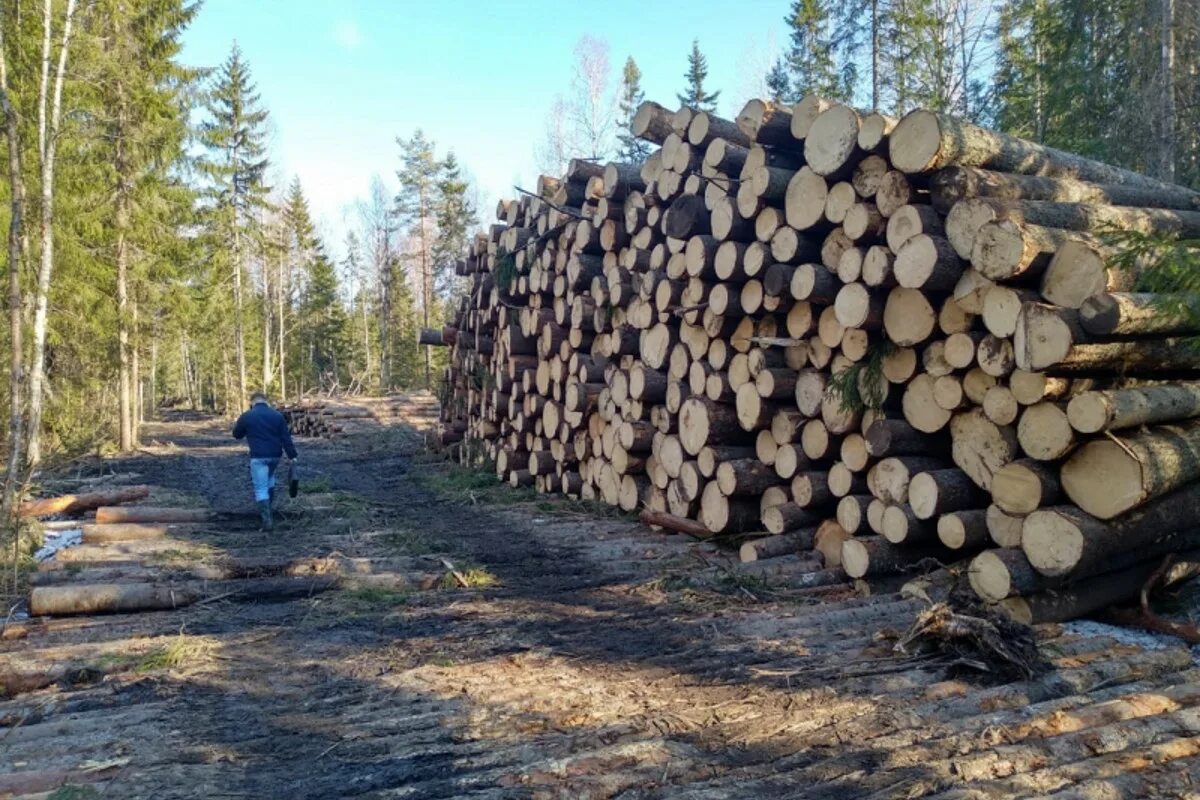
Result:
[631,149]
[695,96]
[778,83]
[811,58]
[235,135]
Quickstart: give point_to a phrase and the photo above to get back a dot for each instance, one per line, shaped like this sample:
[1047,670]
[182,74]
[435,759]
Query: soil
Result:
[588,658]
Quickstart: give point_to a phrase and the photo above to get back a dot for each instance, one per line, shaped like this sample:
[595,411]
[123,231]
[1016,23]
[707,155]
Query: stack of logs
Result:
[329,419]
[885,342]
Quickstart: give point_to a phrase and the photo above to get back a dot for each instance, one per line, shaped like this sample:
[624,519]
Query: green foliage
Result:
[1167,266]
[695,95]
[505,271]
[846,386]
[630,148]
[811,55]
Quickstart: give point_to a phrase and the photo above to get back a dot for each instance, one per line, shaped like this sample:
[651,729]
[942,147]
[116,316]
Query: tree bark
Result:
[75,503]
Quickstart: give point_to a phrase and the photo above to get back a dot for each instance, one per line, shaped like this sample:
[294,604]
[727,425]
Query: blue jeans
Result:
[262,474]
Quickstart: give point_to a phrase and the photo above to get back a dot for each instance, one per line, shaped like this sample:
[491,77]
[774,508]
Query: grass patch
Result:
[474,577]
[73,793]
[183,651]
[411,542]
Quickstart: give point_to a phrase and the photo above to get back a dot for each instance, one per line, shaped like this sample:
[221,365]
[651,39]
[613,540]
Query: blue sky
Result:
[343,79]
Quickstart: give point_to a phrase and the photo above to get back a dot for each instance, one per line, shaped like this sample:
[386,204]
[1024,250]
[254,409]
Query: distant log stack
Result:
[329,418]
[875,341]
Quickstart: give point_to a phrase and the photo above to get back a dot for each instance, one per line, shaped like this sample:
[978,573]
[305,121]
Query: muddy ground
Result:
[588,658]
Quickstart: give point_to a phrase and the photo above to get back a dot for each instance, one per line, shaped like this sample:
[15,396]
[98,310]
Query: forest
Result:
[151,264]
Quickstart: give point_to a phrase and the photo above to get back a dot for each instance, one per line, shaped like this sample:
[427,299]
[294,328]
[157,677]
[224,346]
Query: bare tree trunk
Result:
[37,376]
[16,436]
[875,55]
[426,284]
[385,326]
[153,393]
[239,333]
[266,329]
[282,293]
[135,372]
[125,399]
[1166,152]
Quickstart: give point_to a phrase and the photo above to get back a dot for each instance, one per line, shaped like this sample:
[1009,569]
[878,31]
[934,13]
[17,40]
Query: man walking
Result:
[266,431]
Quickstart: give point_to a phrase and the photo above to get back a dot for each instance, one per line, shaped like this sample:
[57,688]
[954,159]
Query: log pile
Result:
[331,418]
[885,343]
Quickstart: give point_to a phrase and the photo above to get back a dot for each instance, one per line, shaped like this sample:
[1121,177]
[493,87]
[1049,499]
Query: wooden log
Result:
[1044,432]
[774,546]
[889,479]
[828,541]
[651,122]
[1004,528]
[871,556]
[726,515]
[1045,335]
[1080,269]
[997,574]
[76,503]
[1065,540]
[902,526]
[1024,486]
[963,530]
[745,477]
[788,517]
[674,523]
[831,145]
[767,123]
[941,491]
[929,263]
[129,597]
[131,531]
[106,514]
[953,183]
[1096,411]
[924,141]
[920,406]
[1006,249]
[979,447]
[1137,314]
[1108,477]
[908,316]
[851,512]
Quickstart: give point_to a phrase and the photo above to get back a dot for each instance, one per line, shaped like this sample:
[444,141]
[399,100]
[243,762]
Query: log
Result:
[785,517]
[889,479]
[1044,432]
[1080,269]
[902,526]
[1148,357]
[942,491]
[1096,411]
[997,574]
[963,530]
[1045,335]
[953,183]
[1004,528]
[767,123]
[1137,314]
[908,316]
[132,531]
[108,598]
[979,447]
[745,477]
[828,541]
[929,263]
[1024,486]
[106,514]
[727,515]
[871,556]
[1064,540]
[76,503]
[1108,477]
[673,523]
[924,141]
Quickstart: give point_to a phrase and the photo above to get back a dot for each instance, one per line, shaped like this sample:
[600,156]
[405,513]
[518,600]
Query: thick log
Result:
[902,526]
[1108,477]
[963,530]
[1044,431]
[889,479]
[1138,314]
[727,515]
[942,491]
[745,477]
[76,503]
[1024,486]
[1064,540]
[908,316]
[106,514]
[831,145]
[924,141]
[980,447]
[108,598]
[788,517]
[871,556]
[1080,269]
[774,546]
[1096,411]
[954,183]
[132,531]
[997,574]
[652,122]
[767,123]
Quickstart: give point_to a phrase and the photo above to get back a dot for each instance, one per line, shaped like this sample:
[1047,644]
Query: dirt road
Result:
[588,658]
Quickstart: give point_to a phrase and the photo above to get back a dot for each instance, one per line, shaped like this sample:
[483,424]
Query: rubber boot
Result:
[264,510]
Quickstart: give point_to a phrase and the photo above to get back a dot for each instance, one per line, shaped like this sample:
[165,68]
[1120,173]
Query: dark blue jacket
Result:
[266,431]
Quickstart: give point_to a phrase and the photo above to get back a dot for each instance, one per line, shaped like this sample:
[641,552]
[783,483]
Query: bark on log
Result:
[925,140]
[1024,486]
[953,183]
[117,598]
[941,491]
[1108,477]
[106,514]
[963,530]
[127,532]
[997,574]
[1137,314]
[980,447]
[1096,411]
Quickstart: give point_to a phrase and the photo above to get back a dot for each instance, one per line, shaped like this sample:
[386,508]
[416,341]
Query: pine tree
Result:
[416,207]
[324,326]
[300,249]
[235,136]
[811,59]
[631,149]
[695,96]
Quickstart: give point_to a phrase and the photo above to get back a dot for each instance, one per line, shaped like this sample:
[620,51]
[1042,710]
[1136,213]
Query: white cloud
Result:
[347,34]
